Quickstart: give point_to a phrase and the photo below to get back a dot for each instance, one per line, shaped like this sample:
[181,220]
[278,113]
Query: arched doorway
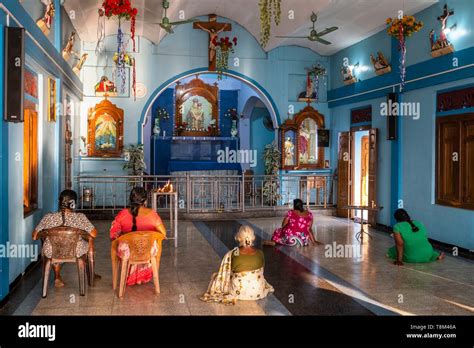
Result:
[251,98]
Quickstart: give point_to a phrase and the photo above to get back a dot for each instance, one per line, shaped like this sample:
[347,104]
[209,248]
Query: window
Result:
[455,161]
[30,165]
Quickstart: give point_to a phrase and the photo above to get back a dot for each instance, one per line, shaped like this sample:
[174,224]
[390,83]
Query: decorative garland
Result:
[224,47]
[401,29]
[269,9]
[122,10]
[121,60]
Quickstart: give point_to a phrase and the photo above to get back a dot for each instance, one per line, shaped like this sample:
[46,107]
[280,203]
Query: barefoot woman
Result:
[296,229]
[411,241]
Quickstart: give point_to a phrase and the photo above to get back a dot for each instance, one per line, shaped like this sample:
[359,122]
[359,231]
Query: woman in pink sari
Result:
[296,229]
[137,218]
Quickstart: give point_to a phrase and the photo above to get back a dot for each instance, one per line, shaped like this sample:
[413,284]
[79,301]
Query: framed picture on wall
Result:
[51,99]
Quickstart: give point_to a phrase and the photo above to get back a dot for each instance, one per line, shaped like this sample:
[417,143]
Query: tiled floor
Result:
[306,280]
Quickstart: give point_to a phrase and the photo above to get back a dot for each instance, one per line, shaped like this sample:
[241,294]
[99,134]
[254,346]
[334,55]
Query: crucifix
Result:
[213,28]
[444,20]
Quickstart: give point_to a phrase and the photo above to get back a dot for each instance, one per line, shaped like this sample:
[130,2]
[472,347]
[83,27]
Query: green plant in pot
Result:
[136,160]
[271,184]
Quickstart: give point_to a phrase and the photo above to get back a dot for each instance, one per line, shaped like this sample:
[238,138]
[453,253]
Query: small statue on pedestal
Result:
[45,23]
[441,45]
[105,87]
[77,68]
[380,64]
[67,51]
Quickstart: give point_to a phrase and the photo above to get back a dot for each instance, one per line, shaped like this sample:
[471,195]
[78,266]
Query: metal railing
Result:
[206,193]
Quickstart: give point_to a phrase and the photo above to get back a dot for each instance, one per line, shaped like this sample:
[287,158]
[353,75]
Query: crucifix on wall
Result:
[213,28]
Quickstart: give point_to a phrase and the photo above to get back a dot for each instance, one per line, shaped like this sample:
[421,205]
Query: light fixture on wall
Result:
[454,32]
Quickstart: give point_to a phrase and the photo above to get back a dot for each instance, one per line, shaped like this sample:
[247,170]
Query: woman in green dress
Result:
[411,241]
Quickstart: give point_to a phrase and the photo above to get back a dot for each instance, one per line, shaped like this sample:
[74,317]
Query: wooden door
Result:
[344,170]
[448,167]
[364,171]
[467,164]
[68,151]
[372,216]
[30,158]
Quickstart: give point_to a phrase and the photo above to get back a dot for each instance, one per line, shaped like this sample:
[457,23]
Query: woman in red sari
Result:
[136,218]
[296,229]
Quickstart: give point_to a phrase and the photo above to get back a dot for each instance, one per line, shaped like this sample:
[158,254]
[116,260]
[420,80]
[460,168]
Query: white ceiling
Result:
[356,19]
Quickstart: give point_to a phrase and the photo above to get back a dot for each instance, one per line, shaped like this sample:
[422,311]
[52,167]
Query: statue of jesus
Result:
[212,37]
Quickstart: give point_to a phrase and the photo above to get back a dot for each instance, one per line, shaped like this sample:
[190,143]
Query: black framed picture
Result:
[323,137]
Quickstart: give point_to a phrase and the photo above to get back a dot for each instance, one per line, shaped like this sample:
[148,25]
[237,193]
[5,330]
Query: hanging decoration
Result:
[269,9]
[124,59]
[401,29]
[224,47]
[122,10]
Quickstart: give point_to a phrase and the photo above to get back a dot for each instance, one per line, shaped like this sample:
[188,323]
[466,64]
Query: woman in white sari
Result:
[240,275]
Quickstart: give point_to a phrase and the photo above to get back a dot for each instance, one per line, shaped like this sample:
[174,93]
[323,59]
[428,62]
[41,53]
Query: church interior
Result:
[244,157]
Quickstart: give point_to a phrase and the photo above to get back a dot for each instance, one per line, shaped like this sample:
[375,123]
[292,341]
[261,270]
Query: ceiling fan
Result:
[314,35]
[165,23]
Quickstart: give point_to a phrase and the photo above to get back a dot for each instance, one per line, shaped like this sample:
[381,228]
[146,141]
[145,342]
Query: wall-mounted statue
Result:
[105,87]
[380,64]
[77,68]
[348,75]
[68,50]
[45,23]
[440,45]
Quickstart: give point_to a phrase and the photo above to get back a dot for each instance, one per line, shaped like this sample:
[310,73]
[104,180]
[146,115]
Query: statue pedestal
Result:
[384,70]
[442,51]
[350,82]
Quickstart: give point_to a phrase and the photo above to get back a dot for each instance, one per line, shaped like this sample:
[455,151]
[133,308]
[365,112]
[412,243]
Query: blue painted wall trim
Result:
[57,25]
[166,84]
[380,85]
[56,65]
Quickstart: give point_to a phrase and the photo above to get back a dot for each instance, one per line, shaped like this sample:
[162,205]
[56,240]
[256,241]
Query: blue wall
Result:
[186,50]
[406,168]
[45,60]
[259,137]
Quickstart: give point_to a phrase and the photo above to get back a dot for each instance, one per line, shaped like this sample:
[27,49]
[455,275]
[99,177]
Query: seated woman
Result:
[411,241]
[66,217]
[240,275]
[296,229]
[137,218]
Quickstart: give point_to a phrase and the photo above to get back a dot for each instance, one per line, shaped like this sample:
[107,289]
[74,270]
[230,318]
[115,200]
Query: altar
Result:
[188,154]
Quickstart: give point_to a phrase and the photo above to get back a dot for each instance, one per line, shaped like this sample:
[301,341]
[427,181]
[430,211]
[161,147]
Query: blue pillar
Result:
[4,237]
[396,148]
[59,107]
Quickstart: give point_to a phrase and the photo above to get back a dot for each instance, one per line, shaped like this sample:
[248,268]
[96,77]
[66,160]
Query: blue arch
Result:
[253,84]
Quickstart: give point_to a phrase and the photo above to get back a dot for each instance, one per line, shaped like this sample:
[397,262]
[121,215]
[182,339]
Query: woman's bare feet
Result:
[58,282]
[440,257]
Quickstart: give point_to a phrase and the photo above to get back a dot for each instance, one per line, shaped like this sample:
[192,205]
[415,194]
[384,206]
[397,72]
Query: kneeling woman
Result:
[411,241]
[296,229]
[240,275]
